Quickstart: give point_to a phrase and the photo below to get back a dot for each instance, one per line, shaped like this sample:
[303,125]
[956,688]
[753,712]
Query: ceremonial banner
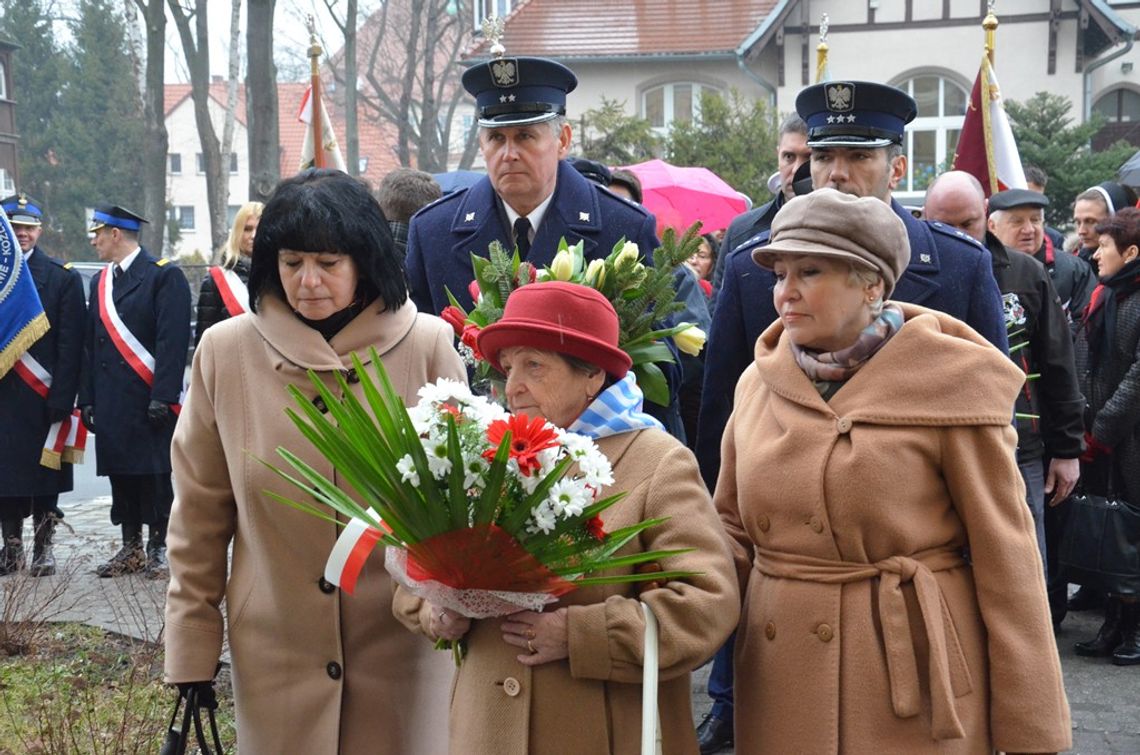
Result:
[22,317]
[986,148]
[330,156]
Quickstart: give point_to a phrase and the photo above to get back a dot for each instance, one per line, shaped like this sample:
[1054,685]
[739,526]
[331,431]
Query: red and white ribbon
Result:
[131,349]
[352,549]
[63,436]
[234,293]
[34,374]
[76,442]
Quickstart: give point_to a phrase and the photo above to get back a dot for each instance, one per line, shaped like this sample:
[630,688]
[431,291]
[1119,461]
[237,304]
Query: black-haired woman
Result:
[1108,366]
[313,670]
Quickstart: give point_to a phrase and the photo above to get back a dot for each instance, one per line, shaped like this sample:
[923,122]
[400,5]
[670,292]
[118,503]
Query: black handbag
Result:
[1100,547]
[196,698]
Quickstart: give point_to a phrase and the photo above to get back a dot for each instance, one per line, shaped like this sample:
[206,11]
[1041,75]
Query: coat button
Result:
[770,631]
[511,686]
[815,524]
[844,425]
[319,403]
[333,670]
[763,522]
[824,632]
[326,587]
[351,377]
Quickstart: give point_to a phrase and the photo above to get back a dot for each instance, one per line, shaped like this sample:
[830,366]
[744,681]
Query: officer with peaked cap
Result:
[531,196]
[138,332]
[34,397]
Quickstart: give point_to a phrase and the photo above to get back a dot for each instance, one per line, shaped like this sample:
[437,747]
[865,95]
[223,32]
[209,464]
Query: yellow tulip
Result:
[629,251]
[596,273]
[562,268]
[690,340]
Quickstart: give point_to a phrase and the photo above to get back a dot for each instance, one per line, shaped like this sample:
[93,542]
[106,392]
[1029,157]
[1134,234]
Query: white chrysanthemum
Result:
[569,497]
[485,412]
[444,389]
[547,458]
[528,483]
[544,517]
[407,469]
[438,461]
[475,468]
[577,446]
[596,470]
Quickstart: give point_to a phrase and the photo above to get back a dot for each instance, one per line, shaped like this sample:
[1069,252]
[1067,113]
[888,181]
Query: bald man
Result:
[1039,342]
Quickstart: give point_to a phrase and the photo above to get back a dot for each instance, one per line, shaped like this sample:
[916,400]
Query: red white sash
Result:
[130,348]
[234,293]
[66,439]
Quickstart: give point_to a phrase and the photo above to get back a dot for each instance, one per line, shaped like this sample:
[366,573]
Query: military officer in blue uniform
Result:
[855,132]
[137,336]
[30,487]
[531,197]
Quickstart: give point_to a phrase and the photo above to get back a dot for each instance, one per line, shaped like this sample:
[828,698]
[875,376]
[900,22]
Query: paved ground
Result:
[1105,699]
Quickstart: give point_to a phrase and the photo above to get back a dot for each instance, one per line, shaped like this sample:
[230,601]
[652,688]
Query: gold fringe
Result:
[23,341]
[72,456]
[49,458]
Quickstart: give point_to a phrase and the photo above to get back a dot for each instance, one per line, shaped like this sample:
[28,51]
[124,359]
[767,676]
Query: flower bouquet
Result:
[486,513]
[642,295]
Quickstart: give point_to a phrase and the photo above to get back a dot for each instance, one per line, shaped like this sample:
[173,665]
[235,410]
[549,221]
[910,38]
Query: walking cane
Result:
[650,724]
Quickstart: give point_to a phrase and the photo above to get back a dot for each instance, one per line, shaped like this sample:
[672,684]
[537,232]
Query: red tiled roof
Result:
[174,94]
[587,28]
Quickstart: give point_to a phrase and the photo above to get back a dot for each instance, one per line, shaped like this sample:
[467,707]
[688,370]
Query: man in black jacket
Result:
[1049,420]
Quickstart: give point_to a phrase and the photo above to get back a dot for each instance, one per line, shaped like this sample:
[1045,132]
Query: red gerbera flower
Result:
[528,438]
[596,528]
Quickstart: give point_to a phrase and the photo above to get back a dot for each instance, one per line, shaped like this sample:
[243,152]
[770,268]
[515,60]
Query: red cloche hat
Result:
[566,318]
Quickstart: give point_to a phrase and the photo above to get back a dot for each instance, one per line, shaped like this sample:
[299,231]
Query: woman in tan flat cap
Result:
[893,592]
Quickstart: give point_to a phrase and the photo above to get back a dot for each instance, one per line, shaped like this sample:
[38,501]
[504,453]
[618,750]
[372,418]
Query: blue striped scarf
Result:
[616,410]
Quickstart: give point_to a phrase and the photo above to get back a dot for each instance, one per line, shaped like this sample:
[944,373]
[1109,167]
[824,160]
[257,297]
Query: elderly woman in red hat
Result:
[894,595]
[569,679]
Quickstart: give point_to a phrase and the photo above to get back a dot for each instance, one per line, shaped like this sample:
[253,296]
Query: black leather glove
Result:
[57,415]
[158,414]
[87,417]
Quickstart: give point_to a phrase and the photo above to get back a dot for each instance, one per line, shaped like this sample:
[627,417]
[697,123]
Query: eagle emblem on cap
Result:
[505,72]
[840,97]
[22,201]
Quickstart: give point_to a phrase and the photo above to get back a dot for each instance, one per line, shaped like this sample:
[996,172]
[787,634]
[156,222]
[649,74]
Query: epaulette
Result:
[758,240]
[163,261]
[451,196]
[949,230]
[67,265]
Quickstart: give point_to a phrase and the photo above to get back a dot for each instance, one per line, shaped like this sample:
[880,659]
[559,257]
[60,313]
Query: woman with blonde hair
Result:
[223,293]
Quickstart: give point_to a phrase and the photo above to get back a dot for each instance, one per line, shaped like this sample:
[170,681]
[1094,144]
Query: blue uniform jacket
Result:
[153,301]
[25,422]
[443,235]
[948,271]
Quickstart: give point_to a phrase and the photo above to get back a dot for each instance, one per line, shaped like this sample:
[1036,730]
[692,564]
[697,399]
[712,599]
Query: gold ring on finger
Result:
[530,647]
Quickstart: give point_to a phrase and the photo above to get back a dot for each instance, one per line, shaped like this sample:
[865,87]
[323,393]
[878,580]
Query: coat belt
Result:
[949,673]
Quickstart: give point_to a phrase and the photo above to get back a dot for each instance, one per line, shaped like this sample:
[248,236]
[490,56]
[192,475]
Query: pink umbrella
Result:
[681,196]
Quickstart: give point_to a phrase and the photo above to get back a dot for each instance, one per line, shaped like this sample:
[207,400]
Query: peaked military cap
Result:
[1010,198]
[592,170]
[22,209]
[518,91]
[115,217]
[855,114]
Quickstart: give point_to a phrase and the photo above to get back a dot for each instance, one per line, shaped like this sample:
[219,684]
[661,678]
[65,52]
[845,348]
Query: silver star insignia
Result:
[584,217]
[502,98]
[510,98]
[924,257]
[469,217]
[850,119]
[831,118]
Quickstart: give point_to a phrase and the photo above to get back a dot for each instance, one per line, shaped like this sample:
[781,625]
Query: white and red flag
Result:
[319,130]
[986,147]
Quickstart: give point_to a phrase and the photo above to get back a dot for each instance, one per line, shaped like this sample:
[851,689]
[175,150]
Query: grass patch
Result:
[81,689]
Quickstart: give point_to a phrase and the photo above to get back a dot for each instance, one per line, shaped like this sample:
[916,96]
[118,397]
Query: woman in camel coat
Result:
[568,680]
[893,592]
[314,670]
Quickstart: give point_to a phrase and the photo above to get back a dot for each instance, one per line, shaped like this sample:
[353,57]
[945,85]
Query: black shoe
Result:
[43,560]
[1108,637]
[131,559]
[714,734]
[156,564]
[12,546]
[1127,653]
[1086,599]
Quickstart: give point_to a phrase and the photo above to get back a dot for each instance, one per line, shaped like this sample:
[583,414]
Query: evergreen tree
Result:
[37,77]
[101,126]
[735,137]
[612,137]
[1048,138]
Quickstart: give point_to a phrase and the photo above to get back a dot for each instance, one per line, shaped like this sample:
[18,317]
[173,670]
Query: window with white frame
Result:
[675,102]
[7,185]
[233,163]
[201,161]
[174,160]
[487,8]
[3,81]
[183,215]
[932,136]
